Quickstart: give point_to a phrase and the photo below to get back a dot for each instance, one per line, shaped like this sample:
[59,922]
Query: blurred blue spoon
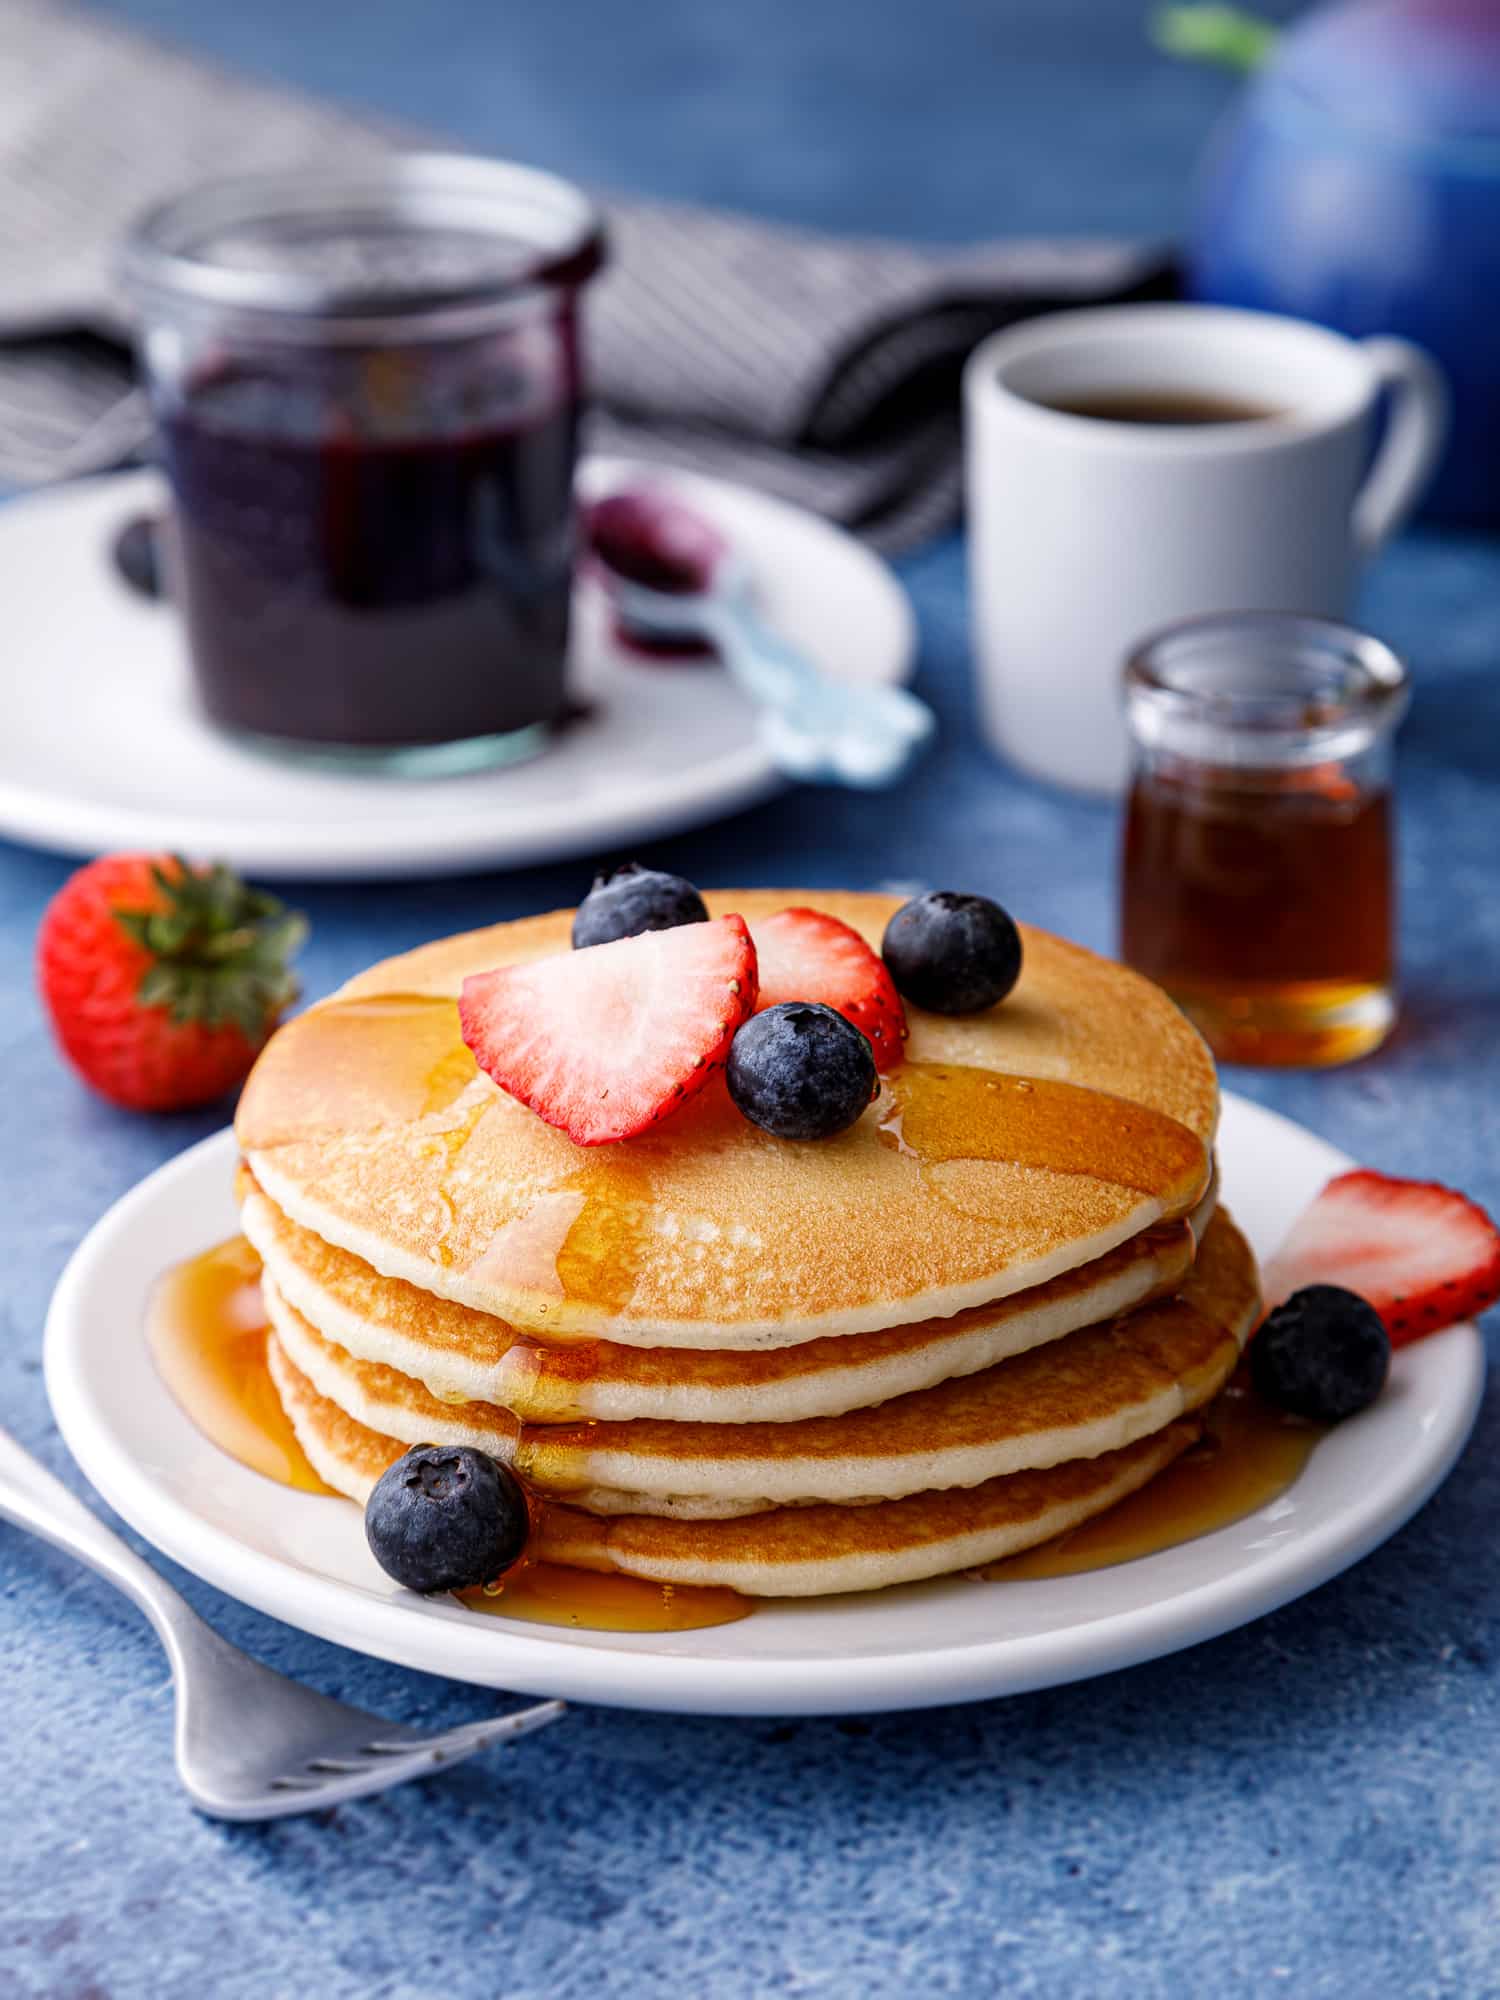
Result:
[672,576]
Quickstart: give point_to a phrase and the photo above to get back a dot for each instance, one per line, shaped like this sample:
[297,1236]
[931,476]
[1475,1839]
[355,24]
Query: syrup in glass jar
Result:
[1257,876]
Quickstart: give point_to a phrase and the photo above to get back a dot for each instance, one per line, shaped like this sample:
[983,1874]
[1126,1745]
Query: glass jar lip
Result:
[164,261]
[1308,691]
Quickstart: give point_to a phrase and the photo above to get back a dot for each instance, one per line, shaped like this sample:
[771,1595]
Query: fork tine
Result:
[469,1736]
[241,1727]
[376,1766]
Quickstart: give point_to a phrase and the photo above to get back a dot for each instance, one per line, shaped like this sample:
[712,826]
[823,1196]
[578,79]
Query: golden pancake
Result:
[1008,1148]
[788,1551]
[1089,1393]
[469,1356]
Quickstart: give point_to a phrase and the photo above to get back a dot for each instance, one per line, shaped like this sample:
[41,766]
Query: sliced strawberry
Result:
[606,1041]
[805,955]
[1422,1255]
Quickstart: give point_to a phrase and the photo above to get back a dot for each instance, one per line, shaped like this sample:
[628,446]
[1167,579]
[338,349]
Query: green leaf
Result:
[136,925]
[281,937]
[158,987]
[1212,32]
[219,951]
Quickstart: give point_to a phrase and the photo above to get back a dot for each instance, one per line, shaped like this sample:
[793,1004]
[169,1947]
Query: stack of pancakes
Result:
[985,1313]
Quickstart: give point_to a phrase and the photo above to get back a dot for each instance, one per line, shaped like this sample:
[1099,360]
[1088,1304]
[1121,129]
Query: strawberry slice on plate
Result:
[1423,1255]
[805,955]
[607,1041]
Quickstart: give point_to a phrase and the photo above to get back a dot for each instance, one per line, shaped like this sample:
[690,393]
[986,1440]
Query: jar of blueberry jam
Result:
[367,394]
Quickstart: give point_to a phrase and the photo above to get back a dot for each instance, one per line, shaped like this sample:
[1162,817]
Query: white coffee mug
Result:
[1087,533]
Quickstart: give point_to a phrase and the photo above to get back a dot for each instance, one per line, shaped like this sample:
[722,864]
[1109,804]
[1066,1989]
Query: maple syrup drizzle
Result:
[1249,1455]
[601,1254]
[936,1113]
[380,1059]
[547,1377]
[400,1059]
[942,1112]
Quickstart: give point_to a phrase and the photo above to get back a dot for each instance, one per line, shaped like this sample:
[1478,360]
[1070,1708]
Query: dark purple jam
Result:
[362,575]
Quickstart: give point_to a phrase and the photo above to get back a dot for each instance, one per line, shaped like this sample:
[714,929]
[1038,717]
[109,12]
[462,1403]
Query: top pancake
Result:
[366,1120]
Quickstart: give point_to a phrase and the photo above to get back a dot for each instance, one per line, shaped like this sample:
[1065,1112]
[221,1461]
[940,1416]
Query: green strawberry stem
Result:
[219,950]
[1213,32]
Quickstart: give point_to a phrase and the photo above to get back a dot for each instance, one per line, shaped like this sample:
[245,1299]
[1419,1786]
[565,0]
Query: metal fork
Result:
[250,1744]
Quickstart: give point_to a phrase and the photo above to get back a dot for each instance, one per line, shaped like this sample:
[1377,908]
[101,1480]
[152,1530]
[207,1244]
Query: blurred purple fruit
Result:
[1357,183]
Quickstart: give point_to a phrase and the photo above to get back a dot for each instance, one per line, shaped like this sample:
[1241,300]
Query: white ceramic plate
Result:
[302,1557]
[102,747]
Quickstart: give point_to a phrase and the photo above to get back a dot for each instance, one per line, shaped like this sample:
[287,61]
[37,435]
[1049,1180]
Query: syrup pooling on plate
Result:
[1248,1456]
[939,1113]
[207,1330]
[601,1601]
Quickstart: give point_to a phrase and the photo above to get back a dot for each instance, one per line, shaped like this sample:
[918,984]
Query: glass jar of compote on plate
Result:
[367,393]
[1257,873]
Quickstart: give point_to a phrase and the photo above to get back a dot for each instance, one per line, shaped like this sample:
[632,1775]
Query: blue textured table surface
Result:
[1307,1802]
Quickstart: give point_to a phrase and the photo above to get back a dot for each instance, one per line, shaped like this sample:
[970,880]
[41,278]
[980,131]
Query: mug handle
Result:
[1416,431]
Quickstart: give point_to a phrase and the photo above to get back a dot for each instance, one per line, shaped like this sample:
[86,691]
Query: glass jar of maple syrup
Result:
[1257,869]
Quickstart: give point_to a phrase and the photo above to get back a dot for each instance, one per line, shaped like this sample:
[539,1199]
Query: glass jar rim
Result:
[1263,689]
[559,232]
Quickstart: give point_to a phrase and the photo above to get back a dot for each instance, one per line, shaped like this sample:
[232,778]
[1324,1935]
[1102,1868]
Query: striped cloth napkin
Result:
[820,368]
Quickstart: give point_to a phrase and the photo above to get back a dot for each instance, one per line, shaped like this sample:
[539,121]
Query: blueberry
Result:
[801,1071]
[633,899]
[952,954]
[446,1517]
[1324,1354]
[137,557]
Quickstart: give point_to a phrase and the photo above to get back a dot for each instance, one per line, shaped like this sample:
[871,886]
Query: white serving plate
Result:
[302,1557]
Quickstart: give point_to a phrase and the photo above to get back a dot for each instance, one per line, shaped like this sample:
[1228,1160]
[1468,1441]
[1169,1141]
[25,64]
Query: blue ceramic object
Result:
[1358,183]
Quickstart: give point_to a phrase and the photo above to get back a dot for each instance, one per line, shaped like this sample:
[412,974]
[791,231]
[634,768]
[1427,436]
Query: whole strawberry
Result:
[163,981]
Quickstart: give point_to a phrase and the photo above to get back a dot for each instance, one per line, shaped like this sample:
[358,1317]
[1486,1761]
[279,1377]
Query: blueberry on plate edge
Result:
[1324,1353]
[631,899]
[446,1517]
[799,1070]
[952,953]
